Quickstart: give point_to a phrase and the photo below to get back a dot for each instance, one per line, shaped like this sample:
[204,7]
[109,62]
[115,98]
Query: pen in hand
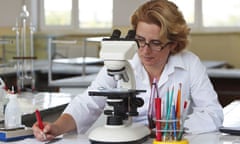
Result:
[40,123]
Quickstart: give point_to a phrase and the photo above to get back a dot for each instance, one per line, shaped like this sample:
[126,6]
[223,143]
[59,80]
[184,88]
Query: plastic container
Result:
[171,131]
[2,97]
[170,115]
[12,113]
[183,141]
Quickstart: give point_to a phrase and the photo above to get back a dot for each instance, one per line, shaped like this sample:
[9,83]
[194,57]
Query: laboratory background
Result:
[49,49]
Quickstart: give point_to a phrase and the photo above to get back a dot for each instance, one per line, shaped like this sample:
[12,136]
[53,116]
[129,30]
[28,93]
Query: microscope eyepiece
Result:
[131,35]
[116,34]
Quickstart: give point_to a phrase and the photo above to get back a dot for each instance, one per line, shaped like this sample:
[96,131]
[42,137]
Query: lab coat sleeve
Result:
[206,113]
[86,109]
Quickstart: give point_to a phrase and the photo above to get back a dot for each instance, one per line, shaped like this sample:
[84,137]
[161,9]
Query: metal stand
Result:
[52,82]
[24,55]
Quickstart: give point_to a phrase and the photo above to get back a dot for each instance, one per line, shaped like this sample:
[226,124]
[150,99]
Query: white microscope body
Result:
[120,128]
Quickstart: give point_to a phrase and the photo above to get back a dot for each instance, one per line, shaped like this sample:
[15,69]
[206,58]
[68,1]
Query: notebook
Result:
[15,134]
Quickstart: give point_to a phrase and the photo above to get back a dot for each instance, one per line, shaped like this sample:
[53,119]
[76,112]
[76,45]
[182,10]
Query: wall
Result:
[123,9]
[217,46]
[9,11]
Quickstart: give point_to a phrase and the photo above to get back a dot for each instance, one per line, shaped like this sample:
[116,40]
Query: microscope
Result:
[122,102]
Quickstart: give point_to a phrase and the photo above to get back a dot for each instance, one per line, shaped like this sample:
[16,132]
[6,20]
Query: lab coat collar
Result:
[174,62]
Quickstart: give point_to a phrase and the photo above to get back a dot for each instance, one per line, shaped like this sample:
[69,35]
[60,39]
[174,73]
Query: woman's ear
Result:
[173,46]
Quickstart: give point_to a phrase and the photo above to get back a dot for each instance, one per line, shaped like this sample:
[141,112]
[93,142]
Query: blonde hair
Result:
[166,15]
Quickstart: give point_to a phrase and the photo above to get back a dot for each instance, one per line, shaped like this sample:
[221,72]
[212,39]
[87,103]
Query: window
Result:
[96,15]
[93,14]
[221,13]
[82,15]
[59,15]
[211,15]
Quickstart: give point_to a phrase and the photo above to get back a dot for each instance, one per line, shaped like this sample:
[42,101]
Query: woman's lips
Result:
[147,58]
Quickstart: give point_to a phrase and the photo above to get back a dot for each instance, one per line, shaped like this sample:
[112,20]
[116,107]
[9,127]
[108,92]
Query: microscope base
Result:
[132,134]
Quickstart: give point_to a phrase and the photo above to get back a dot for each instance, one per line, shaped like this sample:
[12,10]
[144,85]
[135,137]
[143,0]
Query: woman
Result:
[162,34]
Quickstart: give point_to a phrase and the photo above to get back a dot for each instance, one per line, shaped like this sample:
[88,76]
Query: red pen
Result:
[158,118]
[158,110]
[39,119]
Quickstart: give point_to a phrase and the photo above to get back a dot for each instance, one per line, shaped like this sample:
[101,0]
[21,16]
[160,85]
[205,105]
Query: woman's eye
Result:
[156,43]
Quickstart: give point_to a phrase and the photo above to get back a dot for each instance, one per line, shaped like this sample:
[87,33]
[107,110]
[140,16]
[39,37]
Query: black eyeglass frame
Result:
[150,44]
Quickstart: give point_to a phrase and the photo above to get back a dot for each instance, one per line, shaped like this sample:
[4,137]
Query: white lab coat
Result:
[205,113]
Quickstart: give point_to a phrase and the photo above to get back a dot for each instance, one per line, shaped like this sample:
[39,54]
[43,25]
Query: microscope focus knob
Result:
[139,102]
[136,102]
[108,112]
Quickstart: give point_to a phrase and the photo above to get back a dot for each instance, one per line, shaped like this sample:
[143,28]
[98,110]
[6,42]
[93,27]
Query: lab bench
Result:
[225,79]
[46,98]
[67,75]
[226,83]
[59,71]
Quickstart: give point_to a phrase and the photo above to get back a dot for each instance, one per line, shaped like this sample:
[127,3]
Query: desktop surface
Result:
[206,138]
[230,113]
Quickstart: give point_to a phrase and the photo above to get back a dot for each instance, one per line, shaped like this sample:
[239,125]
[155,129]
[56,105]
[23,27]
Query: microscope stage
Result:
[123,93]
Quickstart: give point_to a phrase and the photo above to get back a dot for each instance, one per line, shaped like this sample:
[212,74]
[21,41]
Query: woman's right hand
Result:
[49,131]
[65,123]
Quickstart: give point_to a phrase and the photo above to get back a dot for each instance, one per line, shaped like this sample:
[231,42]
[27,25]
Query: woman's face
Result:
[151,57]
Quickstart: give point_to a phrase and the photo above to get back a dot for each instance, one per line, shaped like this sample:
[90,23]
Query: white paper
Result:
[70,139]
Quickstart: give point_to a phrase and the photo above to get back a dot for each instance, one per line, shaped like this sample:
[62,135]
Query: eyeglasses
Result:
[155,45]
